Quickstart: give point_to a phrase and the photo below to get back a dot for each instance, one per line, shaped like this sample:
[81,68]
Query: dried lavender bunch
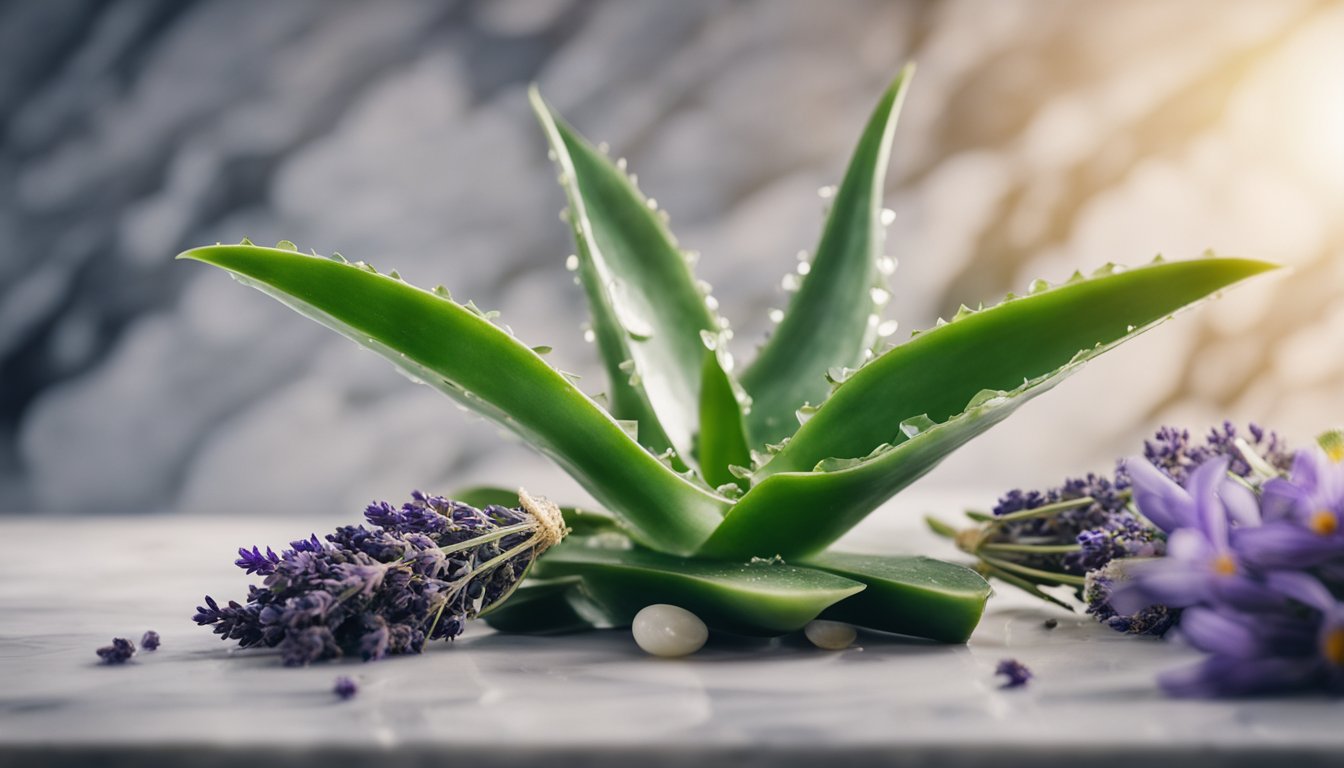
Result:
[1068,535]
[419,573]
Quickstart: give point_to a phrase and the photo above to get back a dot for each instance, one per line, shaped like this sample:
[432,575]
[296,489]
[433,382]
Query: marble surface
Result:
[70,585]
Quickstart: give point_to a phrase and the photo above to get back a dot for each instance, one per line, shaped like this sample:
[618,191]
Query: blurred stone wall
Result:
[1040,137]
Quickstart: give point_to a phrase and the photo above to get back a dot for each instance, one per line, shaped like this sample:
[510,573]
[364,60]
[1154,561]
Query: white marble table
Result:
[69,585]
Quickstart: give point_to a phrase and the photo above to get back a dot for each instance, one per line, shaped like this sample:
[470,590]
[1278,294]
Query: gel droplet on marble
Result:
[830,635]
[668,631]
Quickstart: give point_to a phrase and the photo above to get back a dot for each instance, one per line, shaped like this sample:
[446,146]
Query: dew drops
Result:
[1038,285]
[791,282]
[723,324]
[550,155]
[880,296]
[888,216]
[572,262]
[712,303]
[827,192]
[804,256]
[652,202]
[690,257]
[604,147]
[776,315]
[873,321]
[804,267]
[621,164]
[805,413]
[887,328]
[564,215]
[886,265]
[589,335]
[710,340]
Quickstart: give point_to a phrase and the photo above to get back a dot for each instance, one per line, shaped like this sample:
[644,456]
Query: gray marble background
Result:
[1040,137]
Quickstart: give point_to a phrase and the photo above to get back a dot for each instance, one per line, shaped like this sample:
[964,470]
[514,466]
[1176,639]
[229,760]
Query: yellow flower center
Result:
[1332,647]
[1335,452]
[1324,522]
[1224,565]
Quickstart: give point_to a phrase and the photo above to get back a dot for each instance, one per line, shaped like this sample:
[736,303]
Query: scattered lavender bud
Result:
[345,687]
[1051,623]
[119,652]
[1016,672]
[150,641]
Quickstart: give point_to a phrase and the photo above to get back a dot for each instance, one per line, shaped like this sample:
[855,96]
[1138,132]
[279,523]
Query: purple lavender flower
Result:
[150,641]
[1200,564]
[119,652]
[1015,671]
[1068,535]
[1304,516]
[345,687]
[419,573]
[1265,652]
[1153,620]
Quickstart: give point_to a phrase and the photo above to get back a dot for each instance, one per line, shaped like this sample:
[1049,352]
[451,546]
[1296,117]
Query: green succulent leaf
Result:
[895,413]
[760,598]
[546,607]
[457,350]
[722,440]
[581,522]
[648,311]
[908,595]
[938,372]
[831,320]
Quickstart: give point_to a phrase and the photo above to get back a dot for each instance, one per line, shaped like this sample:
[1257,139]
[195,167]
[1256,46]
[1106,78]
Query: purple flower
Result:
[150,641]
[253,561]
[1304,516]
[119,652]
[345,687]
[1015,671]
[1201,563]
[419,573]
[1263,652]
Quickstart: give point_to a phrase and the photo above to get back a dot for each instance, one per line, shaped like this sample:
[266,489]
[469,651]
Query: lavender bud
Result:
[150,641]
[119,652]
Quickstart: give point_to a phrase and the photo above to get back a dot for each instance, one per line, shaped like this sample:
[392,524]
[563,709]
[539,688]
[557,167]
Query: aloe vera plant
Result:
[722,491]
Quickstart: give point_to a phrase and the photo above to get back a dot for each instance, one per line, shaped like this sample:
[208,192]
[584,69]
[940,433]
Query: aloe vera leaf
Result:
[908,595]
[761,598]
[938,371]
[461,353]
[580,521]
[648,312]
[722,440]
[830,321]
[799,513]
[546,607]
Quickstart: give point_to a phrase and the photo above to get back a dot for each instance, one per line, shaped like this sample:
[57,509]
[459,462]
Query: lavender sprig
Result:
[1067,535]
[419,573]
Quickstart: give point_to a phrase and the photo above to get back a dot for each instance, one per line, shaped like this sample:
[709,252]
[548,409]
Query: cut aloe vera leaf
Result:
[908,595]
[762,598]
[457,350]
